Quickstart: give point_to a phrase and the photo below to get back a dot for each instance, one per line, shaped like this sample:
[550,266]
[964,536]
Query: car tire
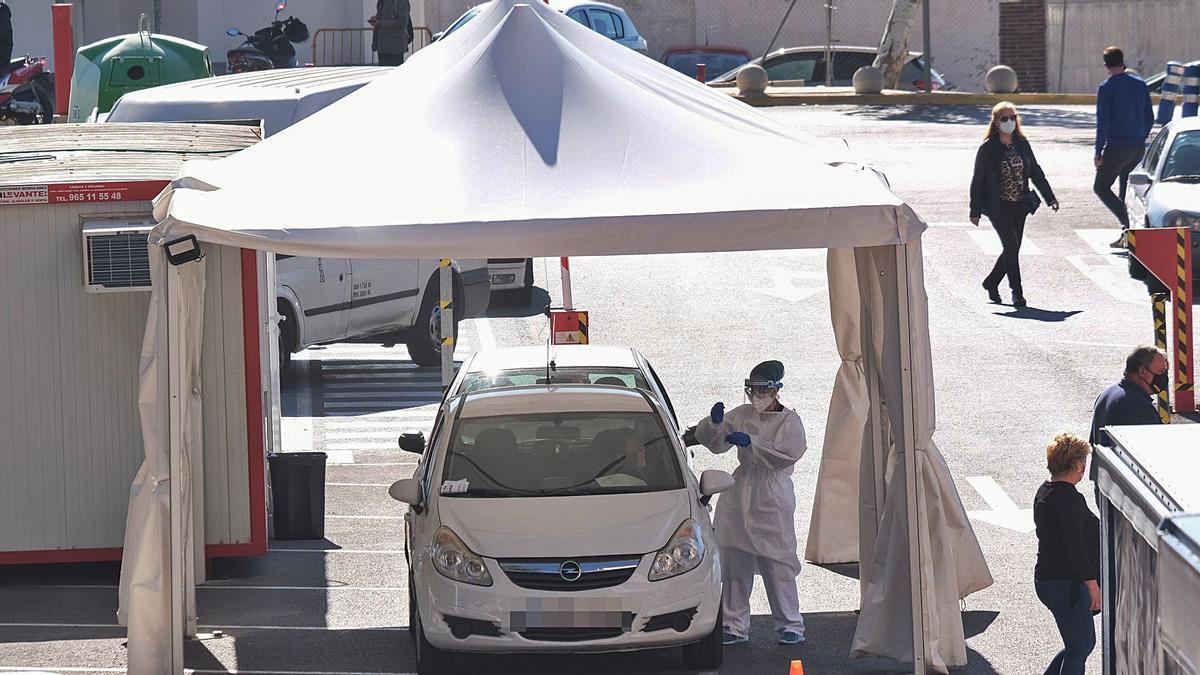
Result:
[430,660]
[287,339]
[423,347]
[709,653]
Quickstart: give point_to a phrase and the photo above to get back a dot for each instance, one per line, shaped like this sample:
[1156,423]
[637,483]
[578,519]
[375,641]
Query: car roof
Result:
[566,398]
[836,49]
[713,49]
[565,356]
[565,6]
[1185,124]
[281,83]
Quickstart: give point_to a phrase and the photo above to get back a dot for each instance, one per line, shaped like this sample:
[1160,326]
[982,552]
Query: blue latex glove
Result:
[718,413]
[738,438]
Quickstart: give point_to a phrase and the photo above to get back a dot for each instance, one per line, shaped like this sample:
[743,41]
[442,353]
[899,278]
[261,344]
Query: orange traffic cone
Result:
[797,668]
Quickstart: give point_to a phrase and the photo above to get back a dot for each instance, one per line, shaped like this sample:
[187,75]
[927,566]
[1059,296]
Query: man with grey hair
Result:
[1131,401]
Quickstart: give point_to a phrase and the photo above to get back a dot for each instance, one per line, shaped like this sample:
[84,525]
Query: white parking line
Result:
[339,457]
[362,445]
[327,517]
[990,243]
[953,223]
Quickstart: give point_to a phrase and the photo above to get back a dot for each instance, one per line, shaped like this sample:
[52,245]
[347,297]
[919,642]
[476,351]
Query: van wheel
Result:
[424,345]
[287,339]
[430,659]
[708,653]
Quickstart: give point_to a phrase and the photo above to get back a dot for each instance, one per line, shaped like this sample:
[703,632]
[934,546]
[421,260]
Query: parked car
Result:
[559,518]
[564,364]
[1165,187]
[716,60]
[1155,81]
[808,64]
[608,20]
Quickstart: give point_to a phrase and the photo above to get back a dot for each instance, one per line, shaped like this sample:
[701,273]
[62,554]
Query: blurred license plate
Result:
[570,613]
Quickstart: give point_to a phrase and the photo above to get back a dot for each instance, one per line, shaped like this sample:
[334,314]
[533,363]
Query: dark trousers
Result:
[1008,219]
[1115,164]
[386,59]
[1071,606]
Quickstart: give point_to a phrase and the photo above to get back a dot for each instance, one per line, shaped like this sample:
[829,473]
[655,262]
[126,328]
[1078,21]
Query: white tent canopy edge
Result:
[663,199]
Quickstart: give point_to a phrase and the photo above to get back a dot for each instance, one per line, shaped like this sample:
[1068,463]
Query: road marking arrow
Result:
[786,290]
[1004,512]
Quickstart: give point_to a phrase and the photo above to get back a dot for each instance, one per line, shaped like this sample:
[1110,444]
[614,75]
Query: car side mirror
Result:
[712,482]
[1140,179]
[407,490]
[233,32]
[413,441]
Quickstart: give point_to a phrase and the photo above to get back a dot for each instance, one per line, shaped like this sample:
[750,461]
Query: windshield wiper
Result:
[485,492]
[1182,178]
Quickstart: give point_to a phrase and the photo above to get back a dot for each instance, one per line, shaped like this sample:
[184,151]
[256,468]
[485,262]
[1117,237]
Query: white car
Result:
[608,20]
[563,364]
[324,300]
[559,518]
[1165,187]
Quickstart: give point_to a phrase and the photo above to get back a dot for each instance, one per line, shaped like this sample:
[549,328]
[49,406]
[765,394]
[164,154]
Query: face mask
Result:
[1008,127]
[1159,382]
[762,403]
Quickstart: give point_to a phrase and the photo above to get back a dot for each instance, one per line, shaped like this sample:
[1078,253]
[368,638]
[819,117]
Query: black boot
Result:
[993,293]
[1019,300]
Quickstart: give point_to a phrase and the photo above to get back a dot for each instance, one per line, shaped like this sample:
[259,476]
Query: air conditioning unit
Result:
[115,257]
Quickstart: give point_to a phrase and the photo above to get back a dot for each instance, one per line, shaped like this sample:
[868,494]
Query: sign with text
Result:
[568,327]
[81,193]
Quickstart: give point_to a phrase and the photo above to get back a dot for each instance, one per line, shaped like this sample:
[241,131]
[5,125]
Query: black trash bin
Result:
[298,491]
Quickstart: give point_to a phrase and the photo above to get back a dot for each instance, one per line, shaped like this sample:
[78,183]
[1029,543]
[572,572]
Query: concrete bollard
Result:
[868,80]
[752,80]
[1170,92]
[1000,80]
[1191,91]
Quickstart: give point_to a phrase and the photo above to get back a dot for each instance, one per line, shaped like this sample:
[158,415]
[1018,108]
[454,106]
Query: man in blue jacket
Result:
[1123,121]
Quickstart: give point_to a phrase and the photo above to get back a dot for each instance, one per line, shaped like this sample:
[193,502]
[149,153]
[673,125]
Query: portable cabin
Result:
[75,211]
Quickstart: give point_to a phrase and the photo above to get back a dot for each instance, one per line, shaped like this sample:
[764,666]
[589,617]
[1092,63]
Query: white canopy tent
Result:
[526,134]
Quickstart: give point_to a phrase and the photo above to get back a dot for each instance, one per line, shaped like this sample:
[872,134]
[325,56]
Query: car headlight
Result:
[682,554]
[1182,219]
[455,561]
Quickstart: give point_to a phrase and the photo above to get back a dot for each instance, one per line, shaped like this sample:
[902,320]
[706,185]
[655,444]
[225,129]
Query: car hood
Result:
[536,527]
[1177,196]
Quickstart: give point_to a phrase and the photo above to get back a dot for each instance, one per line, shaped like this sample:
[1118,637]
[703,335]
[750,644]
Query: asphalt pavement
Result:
[1007,380]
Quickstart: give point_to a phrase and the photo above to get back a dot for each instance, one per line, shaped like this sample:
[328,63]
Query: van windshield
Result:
[560,454]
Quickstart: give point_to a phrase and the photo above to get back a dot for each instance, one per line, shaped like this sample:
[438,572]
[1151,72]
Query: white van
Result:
[280,98]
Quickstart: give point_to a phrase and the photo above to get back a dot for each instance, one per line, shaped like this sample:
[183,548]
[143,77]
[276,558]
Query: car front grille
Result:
[569,574]
[570,634]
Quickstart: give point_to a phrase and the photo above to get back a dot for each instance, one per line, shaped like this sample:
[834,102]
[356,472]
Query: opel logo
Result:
[570,571]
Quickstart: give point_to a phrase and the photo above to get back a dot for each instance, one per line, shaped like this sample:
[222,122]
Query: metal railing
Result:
[352,46]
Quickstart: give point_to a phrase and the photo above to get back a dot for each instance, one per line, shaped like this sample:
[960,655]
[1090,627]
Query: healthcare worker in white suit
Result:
[755,522]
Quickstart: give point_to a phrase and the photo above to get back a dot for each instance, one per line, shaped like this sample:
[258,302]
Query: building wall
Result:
[1150,32]
[1023,41]
[71,440]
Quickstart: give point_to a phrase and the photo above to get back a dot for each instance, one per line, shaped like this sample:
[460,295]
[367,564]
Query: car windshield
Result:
[618,377]
[715,63]
[462,21]
[560,454]
[1183,159]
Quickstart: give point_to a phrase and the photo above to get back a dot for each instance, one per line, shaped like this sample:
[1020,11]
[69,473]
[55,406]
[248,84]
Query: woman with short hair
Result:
[1068,559]
[1004,166]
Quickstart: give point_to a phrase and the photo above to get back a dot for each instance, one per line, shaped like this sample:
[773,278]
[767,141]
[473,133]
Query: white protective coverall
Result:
[755,523]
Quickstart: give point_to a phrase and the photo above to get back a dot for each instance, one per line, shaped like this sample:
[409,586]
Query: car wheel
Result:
[430,659]
[287,340]
[708,653]
[424,347]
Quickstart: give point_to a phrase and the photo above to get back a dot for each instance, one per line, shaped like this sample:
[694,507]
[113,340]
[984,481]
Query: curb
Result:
[793,96]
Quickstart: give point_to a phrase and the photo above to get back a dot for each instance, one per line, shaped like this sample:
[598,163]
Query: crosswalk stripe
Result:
[384,394]
[990,243]
[357,445]
[1099,240]
[1110,274]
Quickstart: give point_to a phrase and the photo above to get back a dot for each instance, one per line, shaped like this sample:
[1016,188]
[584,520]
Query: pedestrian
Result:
[391,32]
[1004,166]
[1066,577]
[1124,118]
[6,35]
[1131,401]
[755,521]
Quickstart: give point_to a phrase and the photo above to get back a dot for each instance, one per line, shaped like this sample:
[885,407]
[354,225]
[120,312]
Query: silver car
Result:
[809,64]
[1166,185]
[608,20]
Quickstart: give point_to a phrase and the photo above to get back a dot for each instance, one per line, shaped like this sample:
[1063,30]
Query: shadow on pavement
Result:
[976,114]
[848,570]
[1035,314]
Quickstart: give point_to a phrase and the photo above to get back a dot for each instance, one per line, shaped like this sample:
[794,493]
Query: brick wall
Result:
[1023,41]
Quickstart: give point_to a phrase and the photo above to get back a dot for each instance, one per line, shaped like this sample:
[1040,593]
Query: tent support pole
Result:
[911,477]
[565,265]
[175,448]
[446,332]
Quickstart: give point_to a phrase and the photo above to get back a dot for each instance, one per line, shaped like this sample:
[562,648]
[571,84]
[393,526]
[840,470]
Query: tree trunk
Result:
[893,48]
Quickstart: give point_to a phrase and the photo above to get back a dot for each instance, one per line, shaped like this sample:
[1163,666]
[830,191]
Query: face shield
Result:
[762,394]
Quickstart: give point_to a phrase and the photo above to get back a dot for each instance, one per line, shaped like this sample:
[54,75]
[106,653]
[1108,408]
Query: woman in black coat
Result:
[1000,190]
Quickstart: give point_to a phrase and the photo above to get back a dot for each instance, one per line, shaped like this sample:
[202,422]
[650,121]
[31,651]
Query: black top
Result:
[987,183]
[1122,403]
[1068,534]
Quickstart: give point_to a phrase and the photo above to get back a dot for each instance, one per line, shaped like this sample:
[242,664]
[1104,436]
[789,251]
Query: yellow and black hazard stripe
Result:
[583,328]
[1159,303]
[1183,331]
[446,304]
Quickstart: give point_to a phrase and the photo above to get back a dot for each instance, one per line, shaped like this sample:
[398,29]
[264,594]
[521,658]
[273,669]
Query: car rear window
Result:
[620,377]
[560,454]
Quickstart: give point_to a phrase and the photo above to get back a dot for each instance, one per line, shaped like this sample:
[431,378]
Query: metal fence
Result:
[352,46]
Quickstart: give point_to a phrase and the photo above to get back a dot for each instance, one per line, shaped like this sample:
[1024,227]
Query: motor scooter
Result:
[269,47]
[26,91]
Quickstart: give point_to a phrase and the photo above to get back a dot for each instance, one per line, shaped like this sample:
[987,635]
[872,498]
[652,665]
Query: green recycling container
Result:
[107,69]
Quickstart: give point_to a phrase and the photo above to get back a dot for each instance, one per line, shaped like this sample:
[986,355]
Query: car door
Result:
[384,295]
[322,288]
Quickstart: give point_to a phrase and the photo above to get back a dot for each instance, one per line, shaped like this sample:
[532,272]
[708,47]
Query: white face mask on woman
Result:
[762,403]
[1008,127]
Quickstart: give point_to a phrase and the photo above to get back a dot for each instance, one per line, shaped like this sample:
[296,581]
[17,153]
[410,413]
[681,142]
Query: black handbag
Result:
[1032,201]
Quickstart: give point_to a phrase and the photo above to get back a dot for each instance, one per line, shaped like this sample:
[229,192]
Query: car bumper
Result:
[506,274]
[494,606]
[477,291]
